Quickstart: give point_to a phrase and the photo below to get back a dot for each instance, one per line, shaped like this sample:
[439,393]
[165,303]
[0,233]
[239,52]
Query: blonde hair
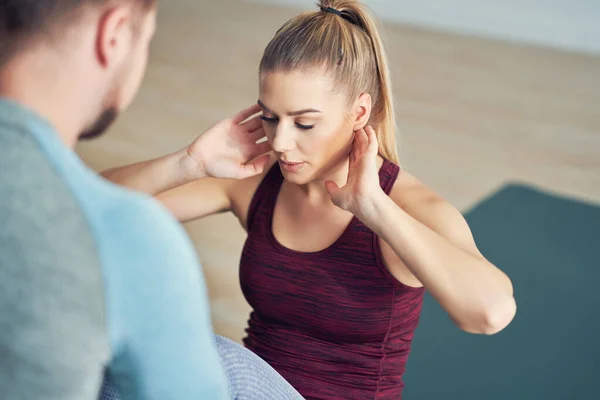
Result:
[349,46]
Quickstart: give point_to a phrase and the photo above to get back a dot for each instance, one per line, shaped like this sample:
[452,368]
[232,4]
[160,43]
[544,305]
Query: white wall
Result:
[565,24]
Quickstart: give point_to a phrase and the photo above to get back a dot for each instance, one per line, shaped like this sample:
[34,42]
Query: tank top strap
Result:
[266,193]
[387,175]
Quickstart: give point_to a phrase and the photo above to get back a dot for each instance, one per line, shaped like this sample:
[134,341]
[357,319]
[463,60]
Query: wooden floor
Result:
[473,115]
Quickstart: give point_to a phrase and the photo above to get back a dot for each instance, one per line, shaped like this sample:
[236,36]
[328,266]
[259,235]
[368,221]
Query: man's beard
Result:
[110,112]
[101,125]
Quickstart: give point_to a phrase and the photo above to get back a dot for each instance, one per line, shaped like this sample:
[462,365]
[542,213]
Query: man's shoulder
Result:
[48,185]
[132,216]
[136,234]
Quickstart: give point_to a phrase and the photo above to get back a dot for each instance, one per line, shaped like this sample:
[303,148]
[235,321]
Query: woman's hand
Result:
[229,149]
[362,189]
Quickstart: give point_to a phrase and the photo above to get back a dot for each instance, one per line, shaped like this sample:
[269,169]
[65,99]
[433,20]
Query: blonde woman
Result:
[341,242]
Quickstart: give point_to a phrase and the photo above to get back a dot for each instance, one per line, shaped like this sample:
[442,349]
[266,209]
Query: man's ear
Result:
[361,111]
[114,36]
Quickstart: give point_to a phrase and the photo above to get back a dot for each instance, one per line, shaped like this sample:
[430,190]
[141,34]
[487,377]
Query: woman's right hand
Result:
[229,149]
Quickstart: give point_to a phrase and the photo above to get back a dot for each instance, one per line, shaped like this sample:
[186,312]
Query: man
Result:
[94,278]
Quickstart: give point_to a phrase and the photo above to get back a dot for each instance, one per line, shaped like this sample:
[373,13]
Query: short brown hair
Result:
[21,20]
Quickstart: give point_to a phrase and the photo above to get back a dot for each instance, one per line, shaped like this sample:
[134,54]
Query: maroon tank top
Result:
[334,323]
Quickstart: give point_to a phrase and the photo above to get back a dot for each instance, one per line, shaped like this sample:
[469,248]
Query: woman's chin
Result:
[293,177]
[298,178]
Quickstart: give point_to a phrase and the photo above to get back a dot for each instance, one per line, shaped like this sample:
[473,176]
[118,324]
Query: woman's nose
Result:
[283,140]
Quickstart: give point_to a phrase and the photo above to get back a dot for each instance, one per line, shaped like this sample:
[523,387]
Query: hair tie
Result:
[343,15]
[331,10]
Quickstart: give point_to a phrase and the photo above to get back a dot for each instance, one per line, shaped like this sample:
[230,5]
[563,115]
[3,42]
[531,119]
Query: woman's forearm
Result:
[157,175]
[474,292]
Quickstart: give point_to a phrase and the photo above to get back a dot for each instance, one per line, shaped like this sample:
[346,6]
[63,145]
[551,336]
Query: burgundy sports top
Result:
[334,323]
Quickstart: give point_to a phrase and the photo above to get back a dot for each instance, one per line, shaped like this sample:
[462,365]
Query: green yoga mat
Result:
[550,248]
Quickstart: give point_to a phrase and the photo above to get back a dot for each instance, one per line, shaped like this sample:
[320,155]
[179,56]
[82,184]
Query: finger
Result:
[254,168]
[358,139]
[372,138]
[355,147]
[331,187]
[257,135]
[253,124]
[246,113]
[259,149]
[362,142]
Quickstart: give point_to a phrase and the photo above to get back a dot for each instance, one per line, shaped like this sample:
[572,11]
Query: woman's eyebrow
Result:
[291,114]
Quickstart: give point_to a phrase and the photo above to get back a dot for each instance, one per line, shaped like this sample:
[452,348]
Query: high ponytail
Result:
[343,36]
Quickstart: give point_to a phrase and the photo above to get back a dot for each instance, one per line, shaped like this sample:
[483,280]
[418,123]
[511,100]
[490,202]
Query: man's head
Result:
[95,51]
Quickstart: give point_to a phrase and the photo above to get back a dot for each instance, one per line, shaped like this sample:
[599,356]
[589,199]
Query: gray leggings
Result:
[249,376]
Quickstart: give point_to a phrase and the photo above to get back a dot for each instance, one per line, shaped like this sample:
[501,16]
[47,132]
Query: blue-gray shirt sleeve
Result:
[157,307]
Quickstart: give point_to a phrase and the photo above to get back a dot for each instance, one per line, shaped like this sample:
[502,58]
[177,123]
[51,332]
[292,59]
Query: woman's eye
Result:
[304,127]
[268,119]
[271,120]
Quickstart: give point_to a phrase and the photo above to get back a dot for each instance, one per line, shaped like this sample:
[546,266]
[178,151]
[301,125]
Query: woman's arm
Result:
[158,175]
[208,196]
[229,149]
[198,199]
[434,243]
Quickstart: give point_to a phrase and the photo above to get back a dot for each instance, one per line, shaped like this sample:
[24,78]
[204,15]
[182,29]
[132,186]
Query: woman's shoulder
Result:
[410,191]
[427,206]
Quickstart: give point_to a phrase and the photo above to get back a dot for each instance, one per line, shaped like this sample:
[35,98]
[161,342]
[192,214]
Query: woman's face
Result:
[307,123]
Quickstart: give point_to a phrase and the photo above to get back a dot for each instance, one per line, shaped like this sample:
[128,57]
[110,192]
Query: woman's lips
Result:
[291,166]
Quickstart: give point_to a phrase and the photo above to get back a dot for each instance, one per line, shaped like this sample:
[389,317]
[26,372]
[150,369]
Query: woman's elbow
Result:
[500,317]
[493,319]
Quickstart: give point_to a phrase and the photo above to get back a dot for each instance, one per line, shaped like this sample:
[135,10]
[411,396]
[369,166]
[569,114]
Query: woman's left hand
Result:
[362,189]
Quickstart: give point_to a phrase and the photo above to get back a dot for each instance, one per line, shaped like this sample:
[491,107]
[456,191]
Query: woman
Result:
[341,242]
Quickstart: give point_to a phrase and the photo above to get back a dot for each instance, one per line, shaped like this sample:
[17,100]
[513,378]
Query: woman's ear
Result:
[362,111]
